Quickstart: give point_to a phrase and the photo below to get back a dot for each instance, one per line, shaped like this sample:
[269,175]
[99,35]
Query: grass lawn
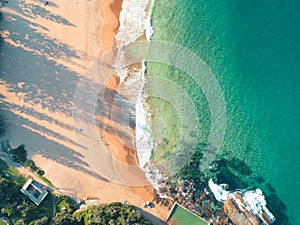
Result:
[181,216]
[46,180]
[12,172]
[2,223]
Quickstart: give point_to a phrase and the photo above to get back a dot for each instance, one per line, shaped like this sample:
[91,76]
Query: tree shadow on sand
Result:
[29,73]
[38,9]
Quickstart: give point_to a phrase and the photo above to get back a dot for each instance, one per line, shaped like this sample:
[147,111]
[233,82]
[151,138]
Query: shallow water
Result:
[253,49]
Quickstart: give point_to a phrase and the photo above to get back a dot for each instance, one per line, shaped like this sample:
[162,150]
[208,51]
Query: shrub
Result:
[31,165]
[41,172]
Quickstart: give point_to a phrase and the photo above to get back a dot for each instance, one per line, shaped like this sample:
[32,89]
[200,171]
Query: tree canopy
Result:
[109,214]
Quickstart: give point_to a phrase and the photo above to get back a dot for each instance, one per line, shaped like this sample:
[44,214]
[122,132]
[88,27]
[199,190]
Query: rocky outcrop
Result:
[237,216]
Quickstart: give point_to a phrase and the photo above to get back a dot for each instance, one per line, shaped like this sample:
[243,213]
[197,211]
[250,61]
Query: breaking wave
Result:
[133,18]
[135,24]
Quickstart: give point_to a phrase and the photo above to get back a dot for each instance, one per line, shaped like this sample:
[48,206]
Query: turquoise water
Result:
[253,48]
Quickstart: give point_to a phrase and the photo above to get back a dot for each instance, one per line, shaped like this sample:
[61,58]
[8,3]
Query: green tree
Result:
[42,221]
[19,154]
[41,172]
[20,222]
[31,165]
[64,218]
[114,213]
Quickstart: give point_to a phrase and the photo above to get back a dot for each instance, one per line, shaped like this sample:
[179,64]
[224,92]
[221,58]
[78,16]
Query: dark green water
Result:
[253,48]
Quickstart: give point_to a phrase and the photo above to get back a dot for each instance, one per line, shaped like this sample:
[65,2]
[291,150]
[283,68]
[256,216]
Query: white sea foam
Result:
[132,21]
[219,191]
[149,28]
[135,22]
[254,200]
[156,178]
[256,203]
[121,70]
[144,140]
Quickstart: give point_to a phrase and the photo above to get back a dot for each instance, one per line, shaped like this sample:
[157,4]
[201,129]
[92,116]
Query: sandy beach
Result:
[45,52]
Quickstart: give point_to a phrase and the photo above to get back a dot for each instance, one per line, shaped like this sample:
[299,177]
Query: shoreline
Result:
[32,99]
[110,12]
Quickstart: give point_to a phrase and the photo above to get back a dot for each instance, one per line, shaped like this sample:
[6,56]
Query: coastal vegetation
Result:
[112,214]
[16,206]
[18,154]
[108,214]
[21,211]
[34,168]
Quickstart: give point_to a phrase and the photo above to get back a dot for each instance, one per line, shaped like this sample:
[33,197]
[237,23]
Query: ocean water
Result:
[253,48]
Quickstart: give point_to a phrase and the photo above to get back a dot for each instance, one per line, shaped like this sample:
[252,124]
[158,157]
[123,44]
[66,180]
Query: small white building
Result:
[34,191]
